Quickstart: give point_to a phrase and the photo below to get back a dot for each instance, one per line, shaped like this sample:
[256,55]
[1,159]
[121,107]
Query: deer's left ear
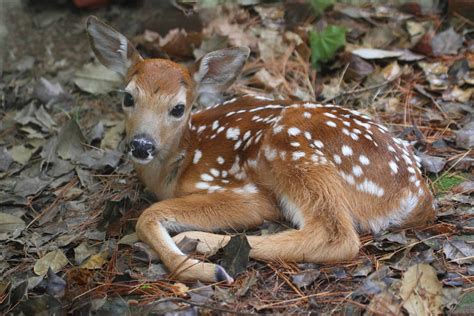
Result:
[111,47]
[217,70]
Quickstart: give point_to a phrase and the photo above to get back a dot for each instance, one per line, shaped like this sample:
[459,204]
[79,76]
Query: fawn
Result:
[332,172]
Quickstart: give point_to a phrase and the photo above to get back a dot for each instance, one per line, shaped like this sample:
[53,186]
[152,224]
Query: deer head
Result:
[158,93]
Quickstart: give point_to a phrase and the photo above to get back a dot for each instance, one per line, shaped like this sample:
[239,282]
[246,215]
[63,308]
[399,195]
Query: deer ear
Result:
[217,70]
[111,47]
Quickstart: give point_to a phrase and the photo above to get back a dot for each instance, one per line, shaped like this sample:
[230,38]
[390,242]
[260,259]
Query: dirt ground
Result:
[69,198]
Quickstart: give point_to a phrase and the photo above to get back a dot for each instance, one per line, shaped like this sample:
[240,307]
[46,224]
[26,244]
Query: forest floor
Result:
[69,198]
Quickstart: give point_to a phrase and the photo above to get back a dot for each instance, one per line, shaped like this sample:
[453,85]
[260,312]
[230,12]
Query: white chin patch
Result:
[142,161]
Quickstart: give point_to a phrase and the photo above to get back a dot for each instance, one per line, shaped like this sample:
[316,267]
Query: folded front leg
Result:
[207,212]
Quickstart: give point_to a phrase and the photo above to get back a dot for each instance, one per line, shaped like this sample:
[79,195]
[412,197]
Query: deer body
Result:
[330,171]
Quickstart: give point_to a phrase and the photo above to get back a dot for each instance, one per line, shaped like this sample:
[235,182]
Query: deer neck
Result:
[160,176]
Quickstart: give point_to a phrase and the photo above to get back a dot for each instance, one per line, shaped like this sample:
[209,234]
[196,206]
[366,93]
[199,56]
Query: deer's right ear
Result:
[111,47]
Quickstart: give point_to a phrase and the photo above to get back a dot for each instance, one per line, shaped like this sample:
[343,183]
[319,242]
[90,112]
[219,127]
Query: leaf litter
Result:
[69,198]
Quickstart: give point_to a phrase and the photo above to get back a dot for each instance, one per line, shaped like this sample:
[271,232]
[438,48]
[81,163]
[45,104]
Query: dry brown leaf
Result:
[421,290]
[96,261]
[55,260]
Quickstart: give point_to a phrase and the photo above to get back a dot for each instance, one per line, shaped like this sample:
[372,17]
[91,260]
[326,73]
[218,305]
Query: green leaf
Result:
[447,182]
[325,44]
[320,5]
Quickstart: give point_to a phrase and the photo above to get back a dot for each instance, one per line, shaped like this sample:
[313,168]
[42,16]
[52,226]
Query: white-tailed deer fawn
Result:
[330,171]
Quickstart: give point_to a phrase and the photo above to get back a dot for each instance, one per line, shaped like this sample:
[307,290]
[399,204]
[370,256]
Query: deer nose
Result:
[142,147]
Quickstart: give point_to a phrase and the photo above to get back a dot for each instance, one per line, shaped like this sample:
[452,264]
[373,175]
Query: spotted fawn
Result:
[331,171]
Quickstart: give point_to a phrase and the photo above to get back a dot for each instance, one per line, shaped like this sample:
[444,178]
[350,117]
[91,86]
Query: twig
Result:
[359,90]
[206,306]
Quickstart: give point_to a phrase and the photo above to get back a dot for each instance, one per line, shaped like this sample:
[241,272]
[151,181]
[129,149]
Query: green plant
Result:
[325,44]
[320,5]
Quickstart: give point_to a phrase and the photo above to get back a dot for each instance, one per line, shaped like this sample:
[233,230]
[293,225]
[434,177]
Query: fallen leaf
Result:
[180,289]
[391,71]
[466,305]
[384,303]
[465,136]
[129,239]
[96,133]
[358,68]
[200,293]
[305,278]
[363,269]
[421,290]
[47,91]
[70,140]
[10,225]
[5,159]
[56,285]
[187,245]
[95,261]
[459,251]
[113,136]
[55,260]
[96,79]
[467,187]
[451,297]
[436,74]
[236,255]
[265,79]
[431,163]
[372,53]
[446,43]
[82,252]
[26,186]
[21,154]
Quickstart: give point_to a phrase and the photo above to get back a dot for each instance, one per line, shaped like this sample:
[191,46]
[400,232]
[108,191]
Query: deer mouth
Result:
[141,161]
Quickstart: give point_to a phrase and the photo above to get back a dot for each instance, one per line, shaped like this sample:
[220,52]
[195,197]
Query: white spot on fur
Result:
[233,133]
[214,172]
[270,154]
[318,144]
[295,144]
[277,129]
[329,115]
[357,171]
[294,131]
[197,156]
[370,187]
[249,188]
[393,165]
[347,177]
[337,159]
[202,185]
[364,160]
[220,160]
[206,177]
[298,154]
[331,123]
[346,150]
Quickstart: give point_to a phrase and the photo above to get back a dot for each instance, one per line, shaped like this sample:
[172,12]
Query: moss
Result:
[447,182]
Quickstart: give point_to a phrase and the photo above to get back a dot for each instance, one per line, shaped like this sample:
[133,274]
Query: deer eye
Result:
[128,100]
[178,110]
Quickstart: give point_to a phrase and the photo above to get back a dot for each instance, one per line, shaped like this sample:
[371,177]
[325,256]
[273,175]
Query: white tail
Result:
[331,171]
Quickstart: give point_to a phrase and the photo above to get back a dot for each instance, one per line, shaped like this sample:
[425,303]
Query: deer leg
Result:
[325,233]
[209,212]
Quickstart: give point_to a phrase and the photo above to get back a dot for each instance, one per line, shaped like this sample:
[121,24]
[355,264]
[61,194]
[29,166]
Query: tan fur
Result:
[330,171]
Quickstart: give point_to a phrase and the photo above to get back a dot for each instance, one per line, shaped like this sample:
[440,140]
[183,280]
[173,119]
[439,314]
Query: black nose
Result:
[142,147]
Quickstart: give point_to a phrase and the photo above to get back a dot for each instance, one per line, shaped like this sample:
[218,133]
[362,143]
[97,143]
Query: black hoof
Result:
[222,275]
